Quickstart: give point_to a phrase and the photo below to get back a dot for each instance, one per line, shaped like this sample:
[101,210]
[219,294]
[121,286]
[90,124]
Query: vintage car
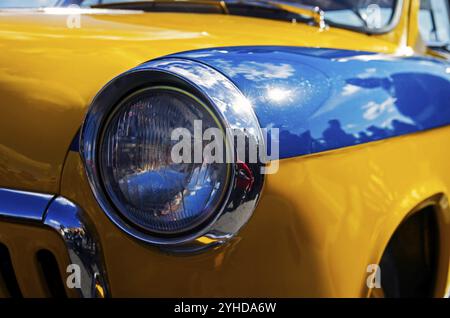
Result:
[347,104]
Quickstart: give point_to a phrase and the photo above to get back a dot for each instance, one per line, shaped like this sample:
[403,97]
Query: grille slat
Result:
[36,274]
[50,272]
[31,222]
[7,274]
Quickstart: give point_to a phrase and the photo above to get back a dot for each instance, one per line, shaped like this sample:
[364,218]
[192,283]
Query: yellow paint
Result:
[414,39]
[99,290]
[322,218]
[49,73]
[321,221]
[205,240]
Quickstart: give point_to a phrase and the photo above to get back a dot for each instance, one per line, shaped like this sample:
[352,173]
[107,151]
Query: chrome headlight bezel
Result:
[228,104]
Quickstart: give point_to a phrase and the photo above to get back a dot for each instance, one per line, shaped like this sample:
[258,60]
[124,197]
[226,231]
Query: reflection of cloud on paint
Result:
[388,123]
[279,95]
[336,101]
[368,58]
[368,72]
[257,71]
[350,89]
[374,110]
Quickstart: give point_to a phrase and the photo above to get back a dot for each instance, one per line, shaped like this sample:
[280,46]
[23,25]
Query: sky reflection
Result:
[323,99]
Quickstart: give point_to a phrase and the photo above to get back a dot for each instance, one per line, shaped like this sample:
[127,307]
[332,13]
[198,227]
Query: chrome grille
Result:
[40,235]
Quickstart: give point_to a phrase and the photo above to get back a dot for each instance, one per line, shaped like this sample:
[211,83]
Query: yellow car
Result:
[235,148]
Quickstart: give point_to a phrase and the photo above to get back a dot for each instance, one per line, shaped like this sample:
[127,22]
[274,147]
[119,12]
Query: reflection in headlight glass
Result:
[147,187]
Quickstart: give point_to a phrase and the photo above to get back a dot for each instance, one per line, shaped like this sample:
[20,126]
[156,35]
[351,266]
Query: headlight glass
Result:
[146,186]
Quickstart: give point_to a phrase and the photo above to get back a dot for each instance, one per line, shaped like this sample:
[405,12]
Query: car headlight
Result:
[144,183]
[126,145]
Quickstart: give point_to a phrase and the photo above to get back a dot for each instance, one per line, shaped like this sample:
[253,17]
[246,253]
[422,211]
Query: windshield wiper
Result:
[440,47]
[314,14]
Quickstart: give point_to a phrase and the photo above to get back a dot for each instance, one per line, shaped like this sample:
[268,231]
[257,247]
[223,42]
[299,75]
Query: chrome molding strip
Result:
[71,223]
[23,205]
[82,244]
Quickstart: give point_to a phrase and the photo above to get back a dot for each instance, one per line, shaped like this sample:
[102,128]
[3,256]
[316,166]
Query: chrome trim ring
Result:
[236,115]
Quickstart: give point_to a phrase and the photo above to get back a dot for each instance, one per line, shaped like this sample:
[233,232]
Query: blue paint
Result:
[324,99]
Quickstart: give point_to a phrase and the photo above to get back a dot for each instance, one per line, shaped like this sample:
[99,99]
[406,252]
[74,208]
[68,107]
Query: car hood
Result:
[53,63]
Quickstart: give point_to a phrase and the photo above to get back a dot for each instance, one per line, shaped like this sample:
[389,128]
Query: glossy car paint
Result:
[324,99]
[321,220]
[315,213]
[49,73]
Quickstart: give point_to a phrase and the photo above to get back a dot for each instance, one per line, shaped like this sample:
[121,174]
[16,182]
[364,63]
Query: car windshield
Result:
[364,15]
